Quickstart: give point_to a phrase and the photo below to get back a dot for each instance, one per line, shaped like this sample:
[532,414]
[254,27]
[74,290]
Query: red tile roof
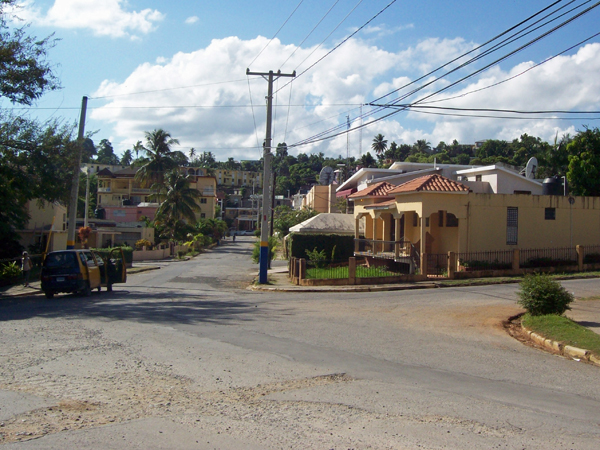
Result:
[430,183]
[380,189]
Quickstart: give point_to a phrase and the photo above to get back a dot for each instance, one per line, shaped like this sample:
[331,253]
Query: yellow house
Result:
[237,178]
[125,200]
[436,215]
[47,226]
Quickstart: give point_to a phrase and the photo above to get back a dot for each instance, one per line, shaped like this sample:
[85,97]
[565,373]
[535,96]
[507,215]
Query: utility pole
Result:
[75,183]
[267,156]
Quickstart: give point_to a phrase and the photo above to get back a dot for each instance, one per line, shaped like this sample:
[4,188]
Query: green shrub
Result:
[10,271]
[272,248]
[317,258]
[541,295]
[143,243]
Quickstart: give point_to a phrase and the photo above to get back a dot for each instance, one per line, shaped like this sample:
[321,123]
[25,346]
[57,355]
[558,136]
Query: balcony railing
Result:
[138,190]
[103,189]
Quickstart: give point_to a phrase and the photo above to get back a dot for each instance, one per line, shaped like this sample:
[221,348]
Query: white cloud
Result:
[191,20]
[104,18]
[212,115]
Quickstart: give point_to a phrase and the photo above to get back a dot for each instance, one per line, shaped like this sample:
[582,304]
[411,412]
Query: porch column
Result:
[398,237]
[423,247]
[356,233]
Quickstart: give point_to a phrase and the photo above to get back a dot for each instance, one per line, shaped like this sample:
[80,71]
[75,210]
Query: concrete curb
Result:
[355,288]
[578,354]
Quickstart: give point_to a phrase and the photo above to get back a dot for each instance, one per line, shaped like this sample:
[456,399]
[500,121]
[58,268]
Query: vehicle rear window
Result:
[60,260]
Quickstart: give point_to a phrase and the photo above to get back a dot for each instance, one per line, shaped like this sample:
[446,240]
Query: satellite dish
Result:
[326,176]
[531,168]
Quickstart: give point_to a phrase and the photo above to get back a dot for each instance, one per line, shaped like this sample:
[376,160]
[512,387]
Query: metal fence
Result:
[437,264]
[326,269]
[592,254]
[491,260]
[548,257]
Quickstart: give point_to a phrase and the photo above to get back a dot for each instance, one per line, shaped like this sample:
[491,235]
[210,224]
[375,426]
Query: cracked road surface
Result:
[185,358]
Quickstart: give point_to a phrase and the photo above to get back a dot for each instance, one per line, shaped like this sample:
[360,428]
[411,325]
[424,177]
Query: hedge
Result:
[127,253]
[299,243]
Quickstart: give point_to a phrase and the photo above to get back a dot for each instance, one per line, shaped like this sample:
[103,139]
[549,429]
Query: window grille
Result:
[512,225]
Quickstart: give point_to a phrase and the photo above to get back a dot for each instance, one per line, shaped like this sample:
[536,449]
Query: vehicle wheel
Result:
[109,287]
[86,290]
[99,288]
[49,294]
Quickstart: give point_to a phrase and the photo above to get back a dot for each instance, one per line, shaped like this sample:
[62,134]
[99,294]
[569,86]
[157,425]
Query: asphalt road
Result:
[186,357]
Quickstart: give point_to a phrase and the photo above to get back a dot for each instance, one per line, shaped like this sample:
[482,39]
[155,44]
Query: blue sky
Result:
[154,64]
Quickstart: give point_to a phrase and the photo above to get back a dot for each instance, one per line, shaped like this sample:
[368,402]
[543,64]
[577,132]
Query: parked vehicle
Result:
[81,271]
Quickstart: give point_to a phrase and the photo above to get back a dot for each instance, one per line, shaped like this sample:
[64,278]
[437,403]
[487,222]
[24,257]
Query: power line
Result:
[275,35]
[166,89]
[320,137]
[341,43]
[309,34]
[516,75]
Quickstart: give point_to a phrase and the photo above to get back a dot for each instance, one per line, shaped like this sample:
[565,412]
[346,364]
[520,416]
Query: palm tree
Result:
[192,155]
[158,150]
[422,146]
[379,144]
[179,201]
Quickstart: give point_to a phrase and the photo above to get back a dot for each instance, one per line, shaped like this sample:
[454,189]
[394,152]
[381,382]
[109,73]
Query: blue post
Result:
[263,262]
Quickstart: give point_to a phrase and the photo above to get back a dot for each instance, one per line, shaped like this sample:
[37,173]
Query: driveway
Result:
[183,357]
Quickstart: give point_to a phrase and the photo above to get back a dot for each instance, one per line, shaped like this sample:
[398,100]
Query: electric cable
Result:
[373,111]
[309,34]
[341,43]
[319,137]
[275,35]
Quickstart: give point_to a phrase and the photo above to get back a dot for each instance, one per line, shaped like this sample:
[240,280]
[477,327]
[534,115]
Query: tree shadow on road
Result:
[164,306]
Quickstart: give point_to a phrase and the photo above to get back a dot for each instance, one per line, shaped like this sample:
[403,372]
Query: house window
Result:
[440,219]
[512,225]
[451,220]
[202,200]
[202,215]
[415,220]
[477,177]
[427,222]
[550,214]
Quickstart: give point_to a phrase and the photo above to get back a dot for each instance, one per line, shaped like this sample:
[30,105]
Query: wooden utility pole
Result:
[75,183]
[267,156]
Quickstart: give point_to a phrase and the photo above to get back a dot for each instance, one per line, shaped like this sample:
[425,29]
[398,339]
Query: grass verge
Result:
[330,273]
[563,329]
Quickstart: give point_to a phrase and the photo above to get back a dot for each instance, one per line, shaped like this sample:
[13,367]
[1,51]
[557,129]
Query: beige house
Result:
[47,226]
[436,215]
[321,198]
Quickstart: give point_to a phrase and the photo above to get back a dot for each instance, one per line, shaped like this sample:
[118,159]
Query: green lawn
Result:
[562,329]
[342,272]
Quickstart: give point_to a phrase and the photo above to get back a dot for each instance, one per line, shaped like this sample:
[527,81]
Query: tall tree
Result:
[34,158]
[584,163]
[379,144]
[178,201]
[25,73]
[106,153]
[160,156]
[126,158]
